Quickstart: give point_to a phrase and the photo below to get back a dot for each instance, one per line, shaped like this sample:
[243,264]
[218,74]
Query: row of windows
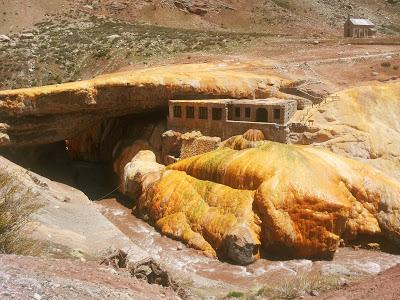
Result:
[203,112]
[247,112]
[217,113]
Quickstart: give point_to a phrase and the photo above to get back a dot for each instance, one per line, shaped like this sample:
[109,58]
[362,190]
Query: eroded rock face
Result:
[195,143]
[171,144]
[53,113]
[296,200]
[195,7]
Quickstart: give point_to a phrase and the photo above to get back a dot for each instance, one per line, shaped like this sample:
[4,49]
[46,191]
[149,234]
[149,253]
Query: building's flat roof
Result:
[361,22]
[268,101]
[214,101]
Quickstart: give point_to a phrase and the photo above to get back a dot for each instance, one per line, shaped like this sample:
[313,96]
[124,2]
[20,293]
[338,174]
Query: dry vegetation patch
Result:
[67,50]
[16,207]
[300,286]
[294,287]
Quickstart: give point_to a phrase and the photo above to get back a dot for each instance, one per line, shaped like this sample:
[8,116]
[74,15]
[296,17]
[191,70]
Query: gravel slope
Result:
[24,277]
[385,285]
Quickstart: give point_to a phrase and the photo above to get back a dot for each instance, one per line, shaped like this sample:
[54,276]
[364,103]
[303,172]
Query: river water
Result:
[208,272]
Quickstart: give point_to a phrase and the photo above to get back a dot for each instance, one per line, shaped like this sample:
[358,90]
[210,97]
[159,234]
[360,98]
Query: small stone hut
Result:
[359,28]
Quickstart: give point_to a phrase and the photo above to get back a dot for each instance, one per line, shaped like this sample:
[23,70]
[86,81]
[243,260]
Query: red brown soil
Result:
[385,285]
[333,62]
[21,277]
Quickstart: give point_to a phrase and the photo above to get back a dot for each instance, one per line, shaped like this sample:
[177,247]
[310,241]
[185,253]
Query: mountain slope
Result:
[283,16]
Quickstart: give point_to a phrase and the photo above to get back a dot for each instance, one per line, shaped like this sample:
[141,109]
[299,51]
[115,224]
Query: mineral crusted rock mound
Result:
[53,113]
[141,169]
[298,200]
[254,135]
[361,122]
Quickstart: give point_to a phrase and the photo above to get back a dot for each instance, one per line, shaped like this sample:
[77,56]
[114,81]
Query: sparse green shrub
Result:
[386,64]
[235,294]
[70,52]
[101,53]
[16,207]
[282,3]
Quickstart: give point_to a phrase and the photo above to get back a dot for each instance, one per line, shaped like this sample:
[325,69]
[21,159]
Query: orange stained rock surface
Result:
[235,79]
[296,199]
[360,122]
[57,112]
[202,213]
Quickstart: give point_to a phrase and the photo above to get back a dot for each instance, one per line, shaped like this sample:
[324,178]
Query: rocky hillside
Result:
[64,50]
[279,16]
[44,42]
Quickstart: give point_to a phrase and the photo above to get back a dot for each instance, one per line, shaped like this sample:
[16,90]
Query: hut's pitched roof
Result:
[361,22]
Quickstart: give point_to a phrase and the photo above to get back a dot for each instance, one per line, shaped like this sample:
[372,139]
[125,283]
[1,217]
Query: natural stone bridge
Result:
[52,113]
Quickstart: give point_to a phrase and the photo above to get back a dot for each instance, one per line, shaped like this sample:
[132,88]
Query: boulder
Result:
[155,138]
[118,5]
[4,38]
[139,266]
[125,157]
[171,144]
[193,7]
[28,35]
[241,245]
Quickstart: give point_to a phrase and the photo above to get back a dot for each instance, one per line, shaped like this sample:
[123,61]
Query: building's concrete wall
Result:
[357,31]
[230,125]
[198,145]
[287,110]
[346,29]
[214,126]
[272,132]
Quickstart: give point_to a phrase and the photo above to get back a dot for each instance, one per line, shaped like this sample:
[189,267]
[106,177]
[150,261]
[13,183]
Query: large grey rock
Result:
[240,246]
[68,217]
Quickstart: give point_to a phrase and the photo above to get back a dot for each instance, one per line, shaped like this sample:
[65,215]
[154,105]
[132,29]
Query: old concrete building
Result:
[228,117]
[359,28]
